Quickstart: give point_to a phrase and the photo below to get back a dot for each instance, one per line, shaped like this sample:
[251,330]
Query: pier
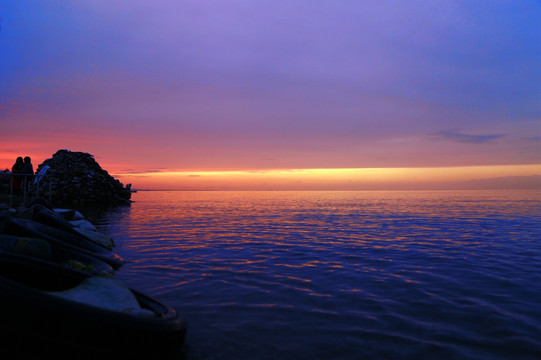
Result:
[30,187]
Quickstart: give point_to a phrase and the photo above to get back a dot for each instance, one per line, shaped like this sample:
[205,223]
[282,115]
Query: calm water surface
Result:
[341,275]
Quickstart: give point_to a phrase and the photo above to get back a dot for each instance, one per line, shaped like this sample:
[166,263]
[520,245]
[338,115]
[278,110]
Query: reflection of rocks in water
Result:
[77,179]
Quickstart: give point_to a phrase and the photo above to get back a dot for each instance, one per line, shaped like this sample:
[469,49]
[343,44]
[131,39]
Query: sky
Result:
[296,94]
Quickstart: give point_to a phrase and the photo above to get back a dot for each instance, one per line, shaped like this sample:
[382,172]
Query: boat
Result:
[42,249]
[46,216]
[60,238]
[46,312]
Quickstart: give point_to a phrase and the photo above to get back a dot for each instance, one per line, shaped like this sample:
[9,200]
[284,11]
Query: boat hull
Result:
[59,238]
[40,249]
[36,324]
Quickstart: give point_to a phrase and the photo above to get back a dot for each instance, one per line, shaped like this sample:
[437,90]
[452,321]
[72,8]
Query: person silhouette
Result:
[28,169]
[17,168]
[27,166]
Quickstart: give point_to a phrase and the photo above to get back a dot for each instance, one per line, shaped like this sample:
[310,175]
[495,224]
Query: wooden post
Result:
[24,189]
[37,186]
[11,191]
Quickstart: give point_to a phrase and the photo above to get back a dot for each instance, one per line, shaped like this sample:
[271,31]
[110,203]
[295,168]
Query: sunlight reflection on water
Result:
[349,275]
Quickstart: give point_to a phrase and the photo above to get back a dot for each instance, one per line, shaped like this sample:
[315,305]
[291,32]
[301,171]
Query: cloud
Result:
[249,85]
[499,183]
[468,138]
[532,138]
[146,170]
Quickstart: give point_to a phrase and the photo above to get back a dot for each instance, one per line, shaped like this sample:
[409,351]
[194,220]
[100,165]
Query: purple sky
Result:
[224,85]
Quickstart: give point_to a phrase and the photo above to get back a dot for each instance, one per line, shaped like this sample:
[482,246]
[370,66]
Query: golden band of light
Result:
[325,178]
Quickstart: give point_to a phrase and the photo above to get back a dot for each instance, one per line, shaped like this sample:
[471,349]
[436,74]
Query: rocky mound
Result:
[78,180]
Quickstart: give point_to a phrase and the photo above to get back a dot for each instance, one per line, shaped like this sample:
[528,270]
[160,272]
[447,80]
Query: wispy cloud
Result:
[468,138]
[146,170]
[154,87]
[532,138]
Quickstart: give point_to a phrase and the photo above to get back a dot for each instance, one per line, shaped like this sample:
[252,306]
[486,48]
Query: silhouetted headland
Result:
[57,272]
[76,179]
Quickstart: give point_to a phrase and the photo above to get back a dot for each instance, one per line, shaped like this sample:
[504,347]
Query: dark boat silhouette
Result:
[46,216]
[42,249]
[59,238]
[37,322]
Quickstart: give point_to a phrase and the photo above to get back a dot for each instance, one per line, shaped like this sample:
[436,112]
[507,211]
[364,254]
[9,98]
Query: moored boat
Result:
[42,249]
[84,228]
[59,238]
[47,311]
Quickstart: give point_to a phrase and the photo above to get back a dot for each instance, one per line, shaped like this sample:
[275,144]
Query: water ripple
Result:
[348,275]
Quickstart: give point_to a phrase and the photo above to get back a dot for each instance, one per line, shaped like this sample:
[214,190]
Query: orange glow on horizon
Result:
[477,177]
[326,179]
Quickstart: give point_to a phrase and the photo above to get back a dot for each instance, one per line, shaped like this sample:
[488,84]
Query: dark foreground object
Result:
[37,325]
[77,180]
[41,249]
[61,239]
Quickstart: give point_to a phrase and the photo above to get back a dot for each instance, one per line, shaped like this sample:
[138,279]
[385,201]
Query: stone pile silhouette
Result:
[78,180]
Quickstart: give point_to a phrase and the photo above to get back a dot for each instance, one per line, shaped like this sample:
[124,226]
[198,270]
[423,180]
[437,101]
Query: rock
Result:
[76,178]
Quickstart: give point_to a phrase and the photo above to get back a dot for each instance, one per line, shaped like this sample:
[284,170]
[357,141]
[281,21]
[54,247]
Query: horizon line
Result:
[352,190]
[441,178]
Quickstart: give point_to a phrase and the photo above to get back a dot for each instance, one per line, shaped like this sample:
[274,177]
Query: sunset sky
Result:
[296,94]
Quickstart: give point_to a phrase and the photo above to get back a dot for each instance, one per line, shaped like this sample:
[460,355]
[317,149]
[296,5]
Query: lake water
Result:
[340,275]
